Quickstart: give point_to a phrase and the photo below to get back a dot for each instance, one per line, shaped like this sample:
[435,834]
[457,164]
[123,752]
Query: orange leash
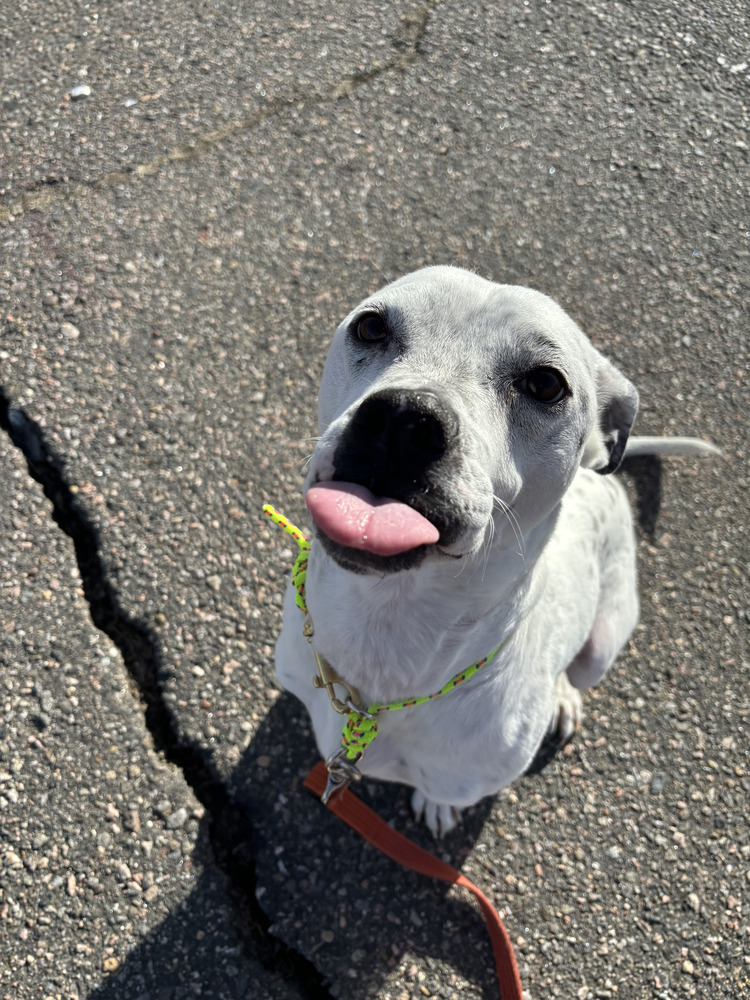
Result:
[369,825]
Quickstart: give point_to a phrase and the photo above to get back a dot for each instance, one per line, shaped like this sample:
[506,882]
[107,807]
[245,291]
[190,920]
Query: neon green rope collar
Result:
[361,727]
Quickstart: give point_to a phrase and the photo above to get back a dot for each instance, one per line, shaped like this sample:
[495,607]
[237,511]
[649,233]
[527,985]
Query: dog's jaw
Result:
[360,561]
[462,514]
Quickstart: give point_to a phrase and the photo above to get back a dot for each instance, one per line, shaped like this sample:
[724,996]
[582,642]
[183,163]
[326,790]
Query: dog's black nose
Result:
[411,425]
[393,439]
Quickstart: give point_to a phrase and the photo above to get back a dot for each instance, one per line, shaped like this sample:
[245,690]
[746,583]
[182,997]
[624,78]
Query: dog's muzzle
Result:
[398,447]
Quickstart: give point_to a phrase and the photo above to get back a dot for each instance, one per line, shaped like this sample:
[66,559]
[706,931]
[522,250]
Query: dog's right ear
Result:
[617,404]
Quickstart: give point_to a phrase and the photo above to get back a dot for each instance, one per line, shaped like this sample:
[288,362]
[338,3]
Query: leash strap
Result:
[353,811]
[299,571]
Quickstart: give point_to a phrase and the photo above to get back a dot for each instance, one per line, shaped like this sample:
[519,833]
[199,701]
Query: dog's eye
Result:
[371,329]
[543,384]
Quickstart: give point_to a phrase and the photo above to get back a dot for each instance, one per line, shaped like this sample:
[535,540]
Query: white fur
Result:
[551,569]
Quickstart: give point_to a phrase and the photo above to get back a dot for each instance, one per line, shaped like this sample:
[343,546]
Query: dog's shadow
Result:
[342,916]
[352,911]
[645,475]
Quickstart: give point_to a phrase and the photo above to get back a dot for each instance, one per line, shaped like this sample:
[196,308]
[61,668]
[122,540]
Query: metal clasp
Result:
[341,771]
[326,680]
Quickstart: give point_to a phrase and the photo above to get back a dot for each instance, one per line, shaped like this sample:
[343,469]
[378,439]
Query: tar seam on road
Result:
[53,191]
[229,823]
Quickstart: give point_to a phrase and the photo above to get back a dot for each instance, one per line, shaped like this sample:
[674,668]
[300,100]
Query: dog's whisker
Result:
[487,546]
[378,268]
[303,464]
[513,521]
[481,558]
[516,529]
[461,568]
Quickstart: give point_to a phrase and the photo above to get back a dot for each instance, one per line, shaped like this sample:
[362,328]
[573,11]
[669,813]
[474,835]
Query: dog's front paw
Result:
[439,818]
[568,712]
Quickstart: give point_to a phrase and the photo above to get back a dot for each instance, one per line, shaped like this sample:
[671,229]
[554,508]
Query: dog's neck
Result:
[391,636]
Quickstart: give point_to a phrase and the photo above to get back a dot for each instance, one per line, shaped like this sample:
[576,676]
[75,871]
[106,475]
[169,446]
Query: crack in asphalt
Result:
[414,25]
[229,823]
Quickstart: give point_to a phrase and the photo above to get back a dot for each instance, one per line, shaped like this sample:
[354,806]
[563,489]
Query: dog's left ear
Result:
[617,403]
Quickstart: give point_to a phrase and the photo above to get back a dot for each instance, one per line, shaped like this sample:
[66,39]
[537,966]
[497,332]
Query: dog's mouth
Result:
[351,516]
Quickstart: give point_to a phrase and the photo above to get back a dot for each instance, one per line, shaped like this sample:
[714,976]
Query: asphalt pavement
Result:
[191,198]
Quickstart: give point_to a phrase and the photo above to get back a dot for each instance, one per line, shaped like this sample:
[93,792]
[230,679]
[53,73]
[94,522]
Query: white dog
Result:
[462,508]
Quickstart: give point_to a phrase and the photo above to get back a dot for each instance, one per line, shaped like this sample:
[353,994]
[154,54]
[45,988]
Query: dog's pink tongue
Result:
[353,516]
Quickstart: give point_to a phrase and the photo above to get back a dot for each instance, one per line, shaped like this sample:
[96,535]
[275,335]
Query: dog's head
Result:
[453,410]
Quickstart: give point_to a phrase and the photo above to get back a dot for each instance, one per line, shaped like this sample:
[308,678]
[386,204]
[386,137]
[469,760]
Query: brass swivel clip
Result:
[341,769]
[326,679]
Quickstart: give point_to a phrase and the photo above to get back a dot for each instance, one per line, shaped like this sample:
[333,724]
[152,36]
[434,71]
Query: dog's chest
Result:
[406,643]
